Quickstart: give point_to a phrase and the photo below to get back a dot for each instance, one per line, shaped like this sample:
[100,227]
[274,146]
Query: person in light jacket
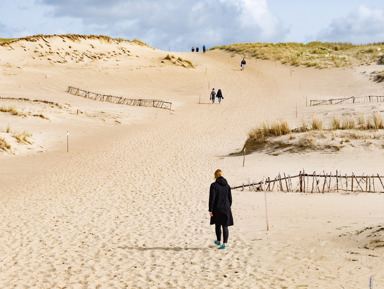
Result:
[220,202]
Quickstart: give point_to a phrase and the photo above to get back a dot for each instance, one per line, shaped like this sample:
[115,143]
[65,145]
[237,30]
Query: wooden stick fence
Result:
[120,100]
[319,183]
[352,99]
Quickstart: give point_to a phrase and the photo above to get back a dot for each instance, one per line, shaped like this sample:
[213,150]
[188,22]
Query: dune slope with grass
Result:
[127,205]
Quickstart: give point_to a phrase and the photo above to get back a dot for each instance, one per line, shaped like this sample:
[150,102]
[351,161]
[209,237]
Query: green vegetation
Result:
[5,40]
[313,54]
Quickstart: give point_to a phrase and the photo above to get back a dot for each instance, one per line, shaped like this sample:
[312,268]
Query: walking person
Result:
[204,48]
[197,49]
[213,95]
[220,202]
[243,63]
[193,49]
[219,95]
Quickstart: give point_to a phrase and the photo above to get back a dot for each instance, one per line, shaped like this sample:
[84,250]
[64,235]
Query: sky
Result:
[177,25]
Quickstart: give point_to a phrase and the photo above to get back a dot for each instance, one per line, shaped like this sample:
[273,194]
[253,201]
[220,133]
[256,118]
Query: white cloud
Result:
[174,24]
[365,25]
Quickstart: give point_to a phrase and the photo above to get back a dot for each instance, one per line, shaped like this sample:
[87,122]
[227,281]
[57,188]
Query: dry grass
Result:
[265,130]
[313,54]
[348,123]
[265,136]
[70,37]
[9,109]
[336,123]
[22,137]
[178,61]
[316,124]
[4,146]
[13,110]
[378,76]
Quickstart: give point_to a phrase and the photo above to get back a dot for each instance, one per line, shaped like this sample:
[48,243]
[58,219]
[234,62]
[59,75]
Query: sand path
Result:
[131,212]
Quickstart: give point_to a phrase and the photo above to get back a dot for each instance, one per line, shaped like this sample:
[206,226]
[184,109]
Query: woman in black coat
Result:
[220,202]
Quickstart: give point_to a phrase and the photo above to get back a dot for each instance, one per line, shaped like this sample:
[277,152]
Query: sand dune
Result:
[127,206]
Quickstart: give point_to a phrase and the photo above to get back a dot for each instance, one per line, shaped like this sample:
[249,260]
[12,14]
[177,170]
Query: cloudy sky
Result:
[178,25]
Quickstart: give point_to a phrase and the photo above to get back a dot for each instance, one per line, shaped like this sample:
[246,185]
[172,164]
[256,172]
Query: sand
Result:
[127,206]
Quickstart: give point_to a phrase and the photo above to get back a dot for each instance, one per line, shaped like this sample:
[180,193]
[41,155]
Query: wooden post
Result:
[67,141]
[301,182]
[357,181]
[325,180]
[337,181]
[281,184]
[352,183]
[346,182]
[330,179]
[286,182]
[274,182]
[373,184]
[266,209]
[380,181]
[313,181]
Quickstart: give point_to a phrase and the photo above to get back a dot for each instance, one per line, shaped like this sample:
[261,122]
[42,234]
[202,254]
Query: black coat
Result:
[220,202]
[219,94]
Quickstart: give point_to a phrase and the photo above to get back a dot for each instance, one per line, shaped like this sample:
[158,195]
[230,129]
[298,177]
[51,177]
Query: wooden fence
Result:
[120,100]
[319,183]
[352,99]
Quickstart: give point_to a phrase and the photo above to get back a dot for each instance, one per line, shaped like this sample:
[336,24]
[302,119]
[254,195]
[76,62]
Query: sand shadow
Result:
[176,249]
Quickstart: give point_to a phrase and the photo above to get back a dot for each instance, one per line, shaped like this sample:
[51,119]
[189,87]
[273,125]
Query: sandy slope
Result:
[127,207]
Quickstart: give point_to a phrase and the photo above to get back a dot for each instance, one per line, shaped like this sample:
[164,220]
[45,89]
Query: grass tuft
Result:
[22,137]
[316,124]
[4,145]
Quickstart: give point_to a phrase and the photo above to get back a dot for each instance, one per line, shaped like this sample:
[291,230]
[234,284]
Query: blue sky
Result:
[180,24]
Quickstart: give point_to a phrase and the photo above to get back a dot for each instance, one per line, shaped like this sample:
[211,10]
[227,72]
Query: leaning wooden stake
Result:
[380,181]
[266,209]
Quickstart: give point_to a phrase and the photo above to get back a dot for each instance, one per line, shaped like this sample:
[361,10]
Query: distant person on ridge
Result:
[220,202]
[243,63]
[213,95]
[219,96]
[197,49]
[204,48]
[193,49]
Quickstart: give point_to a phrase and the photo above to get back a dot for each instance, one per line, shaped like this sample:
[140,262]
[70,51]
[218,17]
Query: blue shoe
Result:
[217,243]
[222,247]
